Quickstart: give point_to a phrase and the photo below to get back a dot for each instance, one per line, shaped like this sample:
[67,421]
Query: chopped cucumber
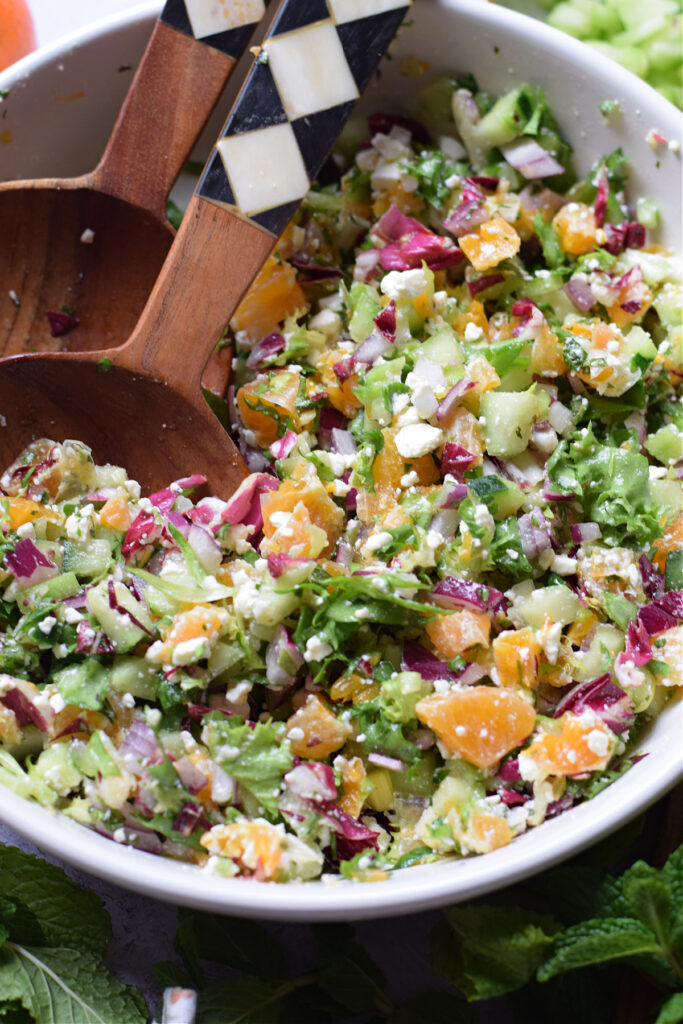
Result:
[118,626]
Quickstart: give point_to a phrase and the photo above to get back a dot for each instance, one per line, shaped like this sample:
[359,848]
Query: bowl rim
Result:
[421,887]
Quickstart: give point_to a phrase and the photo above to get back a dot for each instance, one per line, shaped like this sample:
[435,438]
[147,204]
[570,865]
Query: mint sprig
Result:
[53,936]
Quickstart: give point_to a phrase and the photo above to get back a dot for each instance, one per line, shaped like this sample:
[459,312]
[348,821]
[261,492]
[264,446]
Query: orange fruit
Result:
[671,540]
[452,634]
[23,510]
[482,724]
[17,35]
[516,653]
[202,622]
[306,489]
[115,513]
[352,777]
[323,732]
[485,378]
[255,845]
[576,229]
[575,749]
[474,314]
[463,428]
[266,405]
[547,356]
[493,242]
[273,296]
[487,832]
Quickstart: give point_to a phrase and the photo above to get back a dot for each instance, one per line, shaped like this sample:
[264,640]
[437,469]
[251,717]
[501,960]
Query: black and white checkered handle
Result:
[225,25]
[316,60]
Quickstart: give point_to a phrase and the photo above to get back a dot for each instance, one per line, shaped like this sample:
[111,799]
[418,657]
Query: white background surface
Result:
[53,18]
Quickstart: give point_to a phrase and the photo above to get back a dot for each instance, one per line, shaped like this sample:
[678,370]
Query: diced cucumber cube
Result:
[118,626]
[506,418]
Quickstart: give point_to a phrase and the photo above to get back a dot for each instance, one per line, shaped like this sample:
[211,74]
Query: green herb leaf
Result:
[672,1010]
[598,941]
[245,1001]
[67,984]
[497,949]
[240,944]
[262,759]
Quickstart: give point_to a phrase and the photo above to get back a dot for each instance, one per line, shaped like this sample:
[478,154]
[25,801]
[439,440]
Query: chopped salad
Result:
[446,599]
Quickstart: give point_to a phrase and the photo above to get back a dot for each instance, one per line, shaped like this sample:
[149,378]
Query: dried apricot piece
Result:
[452,634]
[340,394]
[314,732]
[254,845]
[584,744]
[482,724]
[516,653]
[354,688]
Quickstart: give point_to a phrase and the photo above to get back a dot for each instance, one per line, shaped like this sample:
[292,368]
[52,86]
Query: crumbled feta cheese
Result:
[88,236]
[404,284]
[473,332]
[597,741]
[418,439]
[483,518]
[563,565]
[377,541]
[46,624]
[316,649]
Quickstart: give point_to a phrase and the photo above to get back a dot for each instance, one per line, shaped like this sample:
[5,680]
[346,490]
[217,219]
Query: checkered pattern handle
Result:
[318,57]
[225,25]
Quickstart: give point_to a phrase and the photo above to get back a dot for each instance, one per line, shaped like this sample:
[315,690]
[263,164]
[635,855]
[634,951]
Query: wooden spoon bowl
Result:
[46,262]
[49,268]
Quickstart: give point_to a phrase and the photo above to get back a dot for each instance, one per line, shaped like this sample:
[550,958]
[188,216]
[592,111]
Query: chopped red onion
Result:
[655,619]
[374,346]
[653,581]
[312,781]
[283,659]
[530,159]
[560,417]
[342,441]
[484,181]
[282,563]
[534,537]
[21,703]
[283,447]
[29,565]
[343,555]
[581,294]
[480,284]
[209,553]
[245,504]
[601,197]
[269,348]
[512,799]
[509,770]
[142,531]
[394,224]
[470,211]
[454,592]
[141,743]
[456,460]
[417,658]
[385,322]
[61,323]
[345,368]
[585,533]
[671,602]
[366,264]
[394,764]
[222,785]
[311,273]
[451,494]
[189,816]
[472,674]
[451,400]
[122,610]
[602,696]
[191,777]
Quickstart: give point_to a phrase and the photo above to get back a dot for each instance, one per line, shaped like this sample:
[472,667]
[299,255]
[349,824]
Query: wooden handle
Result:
[295,102]
[281,128]
[212,262]
[177,84]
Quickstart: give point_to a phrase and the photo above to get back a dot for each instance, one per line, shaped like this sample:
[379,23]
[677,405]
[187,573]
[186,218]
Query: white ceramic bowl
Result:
[62,103]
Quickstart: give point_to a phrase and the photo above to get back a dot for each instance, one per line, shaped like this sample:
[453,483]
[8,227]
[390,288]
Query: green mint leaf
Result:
[355,982]
[438,1007]
[598,941]
[498,949]
[51,909]
[240,944]
[245,1001]
[166,974]
[67,985]
[672,1010]
[650,899]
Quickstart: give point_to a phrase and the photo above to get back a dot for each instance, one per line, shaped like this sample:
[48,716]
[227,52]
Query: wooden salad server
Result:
[95,244]
[140,405]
